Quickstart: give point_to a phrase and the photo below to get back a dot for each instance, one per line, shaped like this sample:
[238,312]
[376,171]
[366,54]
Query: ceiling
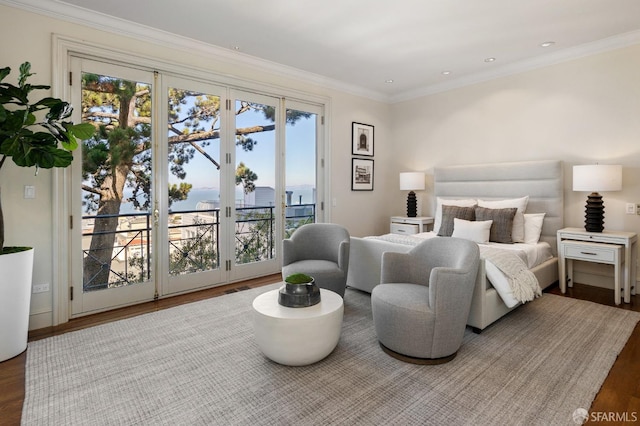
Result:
[364,44]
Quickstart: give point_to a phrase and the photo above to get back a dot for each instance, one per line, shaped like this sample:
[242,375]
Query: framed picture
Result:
[361,174]
[362,139]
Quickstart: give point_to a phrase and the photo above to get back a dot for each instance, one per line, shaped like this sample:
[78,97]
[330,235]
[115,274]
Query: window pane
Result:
[116,182]
[255,182]
[194,181]
[300,169]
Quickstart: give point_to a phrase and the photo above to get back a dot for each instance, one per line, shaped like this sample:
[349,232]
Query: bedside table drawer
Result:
[593,252]
[402,228]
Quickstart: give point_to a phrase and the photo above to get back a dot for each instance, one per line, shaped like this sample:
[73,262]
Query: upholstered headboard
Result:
[542,181]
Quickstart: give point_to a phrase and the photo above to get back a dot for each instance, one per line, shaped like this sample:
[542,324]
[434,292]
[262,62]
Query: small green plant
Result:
[298,279]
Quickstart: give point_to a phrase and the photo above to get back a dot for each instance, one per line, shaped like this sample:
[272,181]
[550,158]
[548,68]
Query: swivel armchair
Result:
[420,309]
[320,250]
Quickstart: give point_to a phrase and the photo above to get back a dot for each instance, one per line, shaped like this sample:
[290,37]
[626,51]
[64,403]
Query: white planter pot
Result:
[16,270]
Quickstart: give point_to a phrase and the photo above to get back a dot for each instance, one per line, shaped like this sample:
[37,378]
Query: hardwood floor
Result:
[620,393]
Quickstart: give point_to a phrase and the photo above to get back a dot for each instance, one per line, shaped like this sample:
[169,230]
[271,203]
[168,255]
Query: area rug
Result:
[198,364]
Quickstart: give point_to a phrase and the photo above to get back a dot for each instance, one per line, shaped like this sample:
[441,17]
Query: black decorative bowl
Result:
[299,295]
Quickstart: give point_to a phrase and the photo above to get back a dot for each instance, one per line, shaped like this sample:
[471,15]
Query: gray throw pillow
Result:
[451,212]
[502,226]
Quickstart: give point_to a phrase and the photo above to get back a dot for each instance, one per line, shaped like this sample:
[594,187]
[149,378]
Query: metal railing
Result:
[194,242]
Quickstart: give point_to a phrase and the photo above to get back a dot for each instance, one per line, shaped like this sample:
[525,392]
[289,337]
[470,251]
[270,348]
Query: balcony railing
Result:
[194,242]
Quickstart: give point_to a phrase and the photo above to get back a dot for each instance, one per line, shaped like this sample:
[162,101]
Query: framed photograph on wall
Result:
[361,174]
[362,139]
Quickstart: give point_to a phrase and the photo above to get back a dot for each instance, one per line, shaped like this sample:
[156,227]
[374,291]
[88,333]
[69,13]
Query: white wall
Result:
[581,112]
[29,222]
[365,212]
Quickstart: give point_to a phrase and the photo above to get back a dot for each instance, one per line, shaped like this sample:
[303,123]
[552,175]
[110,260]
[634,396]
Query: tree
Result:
[119,155]
[246,177]
[197,253]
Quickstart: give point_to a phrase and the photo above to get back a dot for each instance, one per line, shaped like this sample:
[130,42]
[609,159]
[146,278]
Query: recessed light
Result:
[490,59]
[446,72]
[547,43]
[389,81]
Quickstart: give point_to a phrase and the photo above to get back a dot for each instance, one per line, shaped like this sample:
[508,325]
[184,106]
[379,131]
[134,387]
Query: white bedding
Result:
[531,254]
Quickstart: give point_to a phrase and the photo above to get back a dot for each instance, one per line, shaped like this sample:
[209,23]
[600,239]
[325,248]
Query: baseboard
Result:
[596,280]
[40,320]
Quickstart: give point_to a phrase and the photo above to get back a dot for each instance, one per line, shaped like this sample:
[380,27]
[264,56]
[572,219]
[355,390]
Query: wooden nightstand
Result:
[410,225]
[610,247]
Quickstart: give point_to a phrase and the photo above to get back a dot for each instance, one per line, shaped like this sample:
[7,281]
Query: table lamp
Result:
[596,178]
[412,181]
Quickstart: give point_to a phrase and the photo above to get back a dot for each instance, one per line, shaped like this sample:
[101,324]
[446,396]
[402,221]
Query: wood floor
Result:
[620,392]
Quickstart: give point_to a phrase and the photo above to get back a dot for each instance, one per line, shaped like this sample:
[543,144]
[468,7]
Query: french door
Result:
[193,147]
[186,184]
[257,210]
[113,225]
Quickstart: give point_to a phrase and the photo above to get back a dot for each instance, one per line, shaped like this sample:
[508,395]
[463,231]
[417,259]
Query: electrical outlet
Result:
[40,288]
[631,208]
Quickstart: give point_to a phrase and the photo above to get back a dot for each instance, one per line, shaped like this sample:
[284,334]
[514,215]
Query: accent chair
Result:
[320,250]
[420,309]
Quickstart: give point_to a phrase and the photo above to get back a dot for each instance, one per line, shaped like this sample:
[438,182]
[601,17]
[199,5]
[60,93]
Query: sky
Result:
[300,155]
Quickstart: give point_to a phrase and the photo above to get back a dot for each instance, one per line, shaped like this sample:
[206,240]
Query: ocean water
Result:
[302,195]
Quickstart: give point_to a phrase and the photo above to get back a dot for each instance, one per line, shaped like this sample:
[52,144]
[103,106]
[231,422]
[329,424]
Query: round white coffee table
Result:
[297,336]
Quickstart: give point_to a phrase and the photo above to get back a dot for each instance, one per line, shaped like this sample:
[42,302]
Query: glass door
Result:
[257,207]
[193,227]
[303,163]
[112,190]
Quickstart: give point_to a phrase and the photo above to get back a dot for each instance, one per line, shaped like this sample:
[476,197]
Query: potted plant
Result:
[299,291]
[33,134]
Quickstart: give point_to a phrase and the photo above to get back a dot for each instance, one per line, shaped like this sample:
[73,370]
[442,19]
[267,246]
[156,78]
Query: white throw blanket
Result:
[524,284]
[521,284]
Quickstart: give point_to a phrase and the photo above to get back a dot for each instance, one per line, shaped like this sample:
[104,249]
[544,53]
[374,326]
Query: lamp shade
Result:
[597,177]
[412,181]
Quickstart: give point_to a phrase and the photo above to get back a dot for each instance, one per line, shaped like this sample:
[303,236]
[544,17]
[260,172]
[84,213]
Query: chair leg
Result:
[414,360]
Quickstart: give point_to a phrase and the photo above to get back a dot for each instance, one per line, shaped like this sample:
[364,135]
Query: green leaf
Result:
[70,142]
[30,120]
[56,106]
[4,72]
[25,72]
[62,158]
[82,130]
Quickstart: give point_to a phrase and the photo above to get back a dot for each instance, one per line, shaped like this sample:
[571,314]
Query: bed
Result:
[541,181]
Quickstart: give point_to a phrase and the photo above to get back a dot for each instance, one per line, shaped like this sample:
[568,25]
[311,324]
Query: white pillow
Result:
[466,202]
[533,227]
[517,234]
[477,231]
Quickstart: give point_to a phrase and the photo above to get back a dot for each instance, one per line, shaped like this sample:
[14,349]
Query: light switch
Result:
[29,191]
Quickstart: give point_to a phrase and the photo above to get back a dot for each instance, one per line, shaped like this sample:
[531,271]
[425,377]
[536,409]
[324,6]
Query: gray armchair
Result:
[420,309]
[320,250]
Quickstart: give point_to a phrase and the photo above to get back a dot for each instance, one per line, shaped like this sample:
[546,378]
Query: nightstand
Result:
[410,225]
[609,247]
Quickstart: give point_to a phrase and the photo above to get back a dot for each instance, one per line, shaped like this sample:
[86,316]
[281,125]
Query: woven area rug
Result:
[198,364]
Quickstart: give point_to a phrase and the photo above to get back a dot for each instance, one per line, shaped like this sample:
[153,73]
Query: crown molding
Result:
[564,55]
